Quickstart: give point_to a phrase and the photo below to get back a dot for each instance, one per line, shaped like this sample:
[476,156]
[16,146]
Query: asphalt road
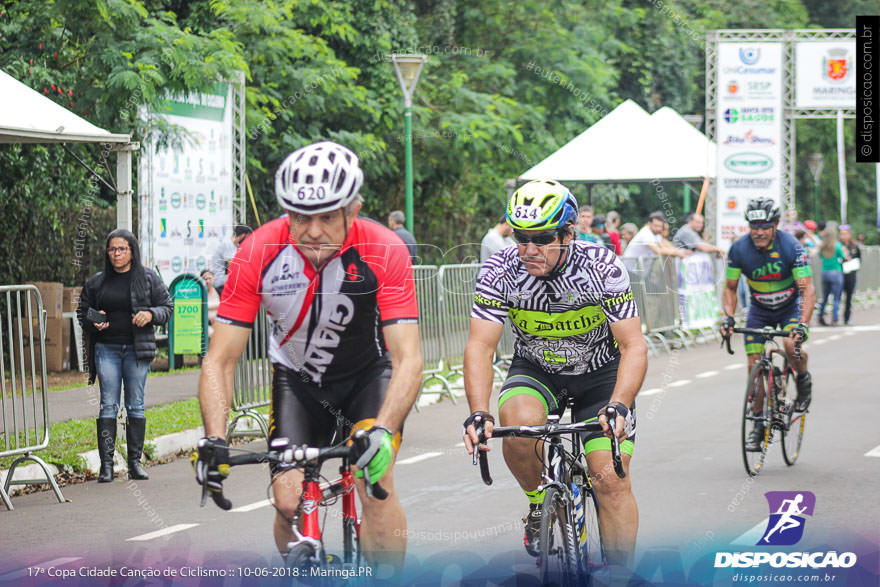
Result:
[693,494]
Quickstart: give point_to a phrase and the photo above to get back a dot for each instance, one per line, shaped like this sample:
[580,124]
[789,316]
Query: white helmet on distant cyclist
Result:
[318,178]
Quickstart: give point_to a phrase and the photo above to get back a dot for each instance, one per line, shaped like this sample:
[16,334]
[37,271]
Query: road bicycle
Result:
[306,550]
[777,413]
[569,541]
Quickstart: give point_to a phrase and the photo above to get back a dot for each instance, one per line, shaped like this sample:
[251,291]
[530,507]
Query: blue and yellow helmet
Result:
[541,205]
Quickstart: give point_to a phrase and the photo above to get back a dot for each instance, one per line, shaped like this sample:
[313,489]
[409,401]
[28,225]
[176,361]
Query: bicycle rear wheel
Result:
[593,551]
[793,432]
[558,558]
[758,379]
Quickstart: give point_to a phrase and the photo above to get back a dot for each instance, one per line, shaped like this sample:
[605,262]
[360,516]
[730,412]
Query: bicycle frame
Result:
[315,494]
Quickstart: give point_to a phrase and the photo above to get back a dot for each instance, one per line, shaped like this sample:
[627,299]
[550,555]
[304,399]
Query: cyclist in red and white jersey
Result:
[340,298]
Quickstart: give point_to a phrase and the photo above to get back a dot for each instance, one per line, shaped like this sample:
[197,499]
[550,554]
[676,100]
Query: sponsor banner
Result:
[825,74]
[186,204]
[749,132]
[696,291]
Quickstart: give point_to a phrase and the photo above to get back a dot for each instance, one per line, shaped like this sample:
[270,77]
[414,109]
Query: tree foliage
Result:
[506,83]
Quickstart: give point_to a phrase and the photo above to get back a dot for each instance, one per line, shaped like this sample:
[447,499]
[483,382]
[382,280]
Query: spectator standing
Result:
[224,254]
[812,240]
[688,236]
[583,227]
[612,222]
[832,256]
[649,242]
[396,222]
[134,299]
[598,227]
[213,299]
[853,254]
[498,237]
[627,232]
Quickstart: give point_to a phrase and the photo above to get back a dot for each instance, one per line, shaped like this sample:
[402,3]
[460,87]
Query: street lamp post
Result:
[815,163]
[408,68]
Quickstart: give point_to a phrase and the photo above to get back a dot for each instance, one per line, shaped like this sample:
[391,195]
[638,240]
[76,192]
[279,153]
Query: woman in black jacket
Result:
[121,347]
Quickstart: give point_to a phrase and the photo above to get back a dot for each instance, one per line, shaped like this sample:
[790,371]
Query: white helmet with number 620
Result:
[318,178]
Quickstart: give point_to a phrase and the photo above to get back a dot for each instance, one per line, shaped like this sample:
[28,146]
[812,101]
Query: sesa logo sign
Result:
[748,163]
[787,510]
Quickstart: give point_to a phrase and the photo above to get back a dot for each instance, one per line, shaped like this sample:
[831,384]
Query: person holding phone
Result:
[118,308]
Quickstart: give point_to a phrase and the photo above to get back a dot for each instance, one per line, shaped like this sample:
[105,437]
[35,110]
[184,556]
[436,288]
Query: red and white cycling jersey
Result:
[327,323]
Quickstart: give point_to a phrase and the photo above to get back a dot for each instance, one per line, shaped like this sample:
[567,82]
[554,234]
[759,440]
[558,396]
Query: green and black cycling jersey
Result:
[771,274]
[561,321]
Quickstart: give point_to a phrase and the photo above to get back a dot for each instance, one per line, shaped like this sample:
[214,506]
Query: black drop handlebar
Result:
[545,431]
[766,333]
[297,457]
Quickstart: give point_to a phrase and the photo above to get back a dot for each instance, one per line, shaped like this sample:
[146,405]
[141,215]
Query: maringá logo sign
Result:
[748,163]
[835,66]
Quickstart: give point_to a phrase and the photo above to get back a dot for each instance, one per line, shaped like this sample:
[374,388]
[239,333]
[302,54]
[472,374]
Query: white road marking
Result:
[652,391]
[734,366]
[705,374]
[252,506]
[679,383]
[418,458]
[460,444]
[57,562]
[823,341]
[874,452]
[834,337]
[160,533]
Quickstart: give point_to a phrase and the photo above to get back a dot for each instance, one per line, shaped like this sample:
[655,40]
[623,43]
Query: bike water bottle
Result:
[578,511]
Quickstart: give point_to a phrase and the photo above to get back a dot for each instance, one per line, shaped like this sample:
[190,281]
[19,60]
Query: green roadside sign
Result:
[188,330]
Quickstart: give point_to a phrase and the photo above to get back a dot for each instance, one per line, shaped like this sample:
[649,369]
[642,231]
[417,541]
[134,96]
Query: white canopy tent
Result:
[629,145]
[26,116]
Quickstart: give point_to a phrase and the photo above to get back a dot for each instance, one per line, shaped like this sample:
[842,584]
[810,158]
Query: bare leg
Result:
[618,511]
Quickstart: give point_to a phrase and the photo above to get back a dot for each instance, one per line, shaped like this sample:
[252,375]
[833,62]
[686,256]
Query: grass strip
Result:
[70,438]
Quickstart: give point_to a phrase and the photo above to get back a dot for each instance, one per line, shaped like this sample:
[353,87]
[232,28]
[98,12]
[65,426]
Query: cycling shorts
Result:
[305,413]
[758,317]
[589,391]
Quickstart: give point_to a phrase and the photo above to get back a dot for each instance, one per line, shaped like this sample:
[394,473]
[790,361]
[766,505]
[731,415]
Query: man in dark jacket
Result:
[126,300]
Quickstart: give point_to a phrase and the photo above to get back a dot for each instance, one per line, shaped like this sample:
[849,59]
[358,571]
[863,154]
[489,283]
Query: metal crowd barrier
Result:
[24,406]
[252,384]
[431,330]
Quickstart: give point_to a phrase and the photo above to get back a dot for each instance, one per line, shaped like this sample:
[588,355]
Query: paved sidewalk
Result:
[83,402]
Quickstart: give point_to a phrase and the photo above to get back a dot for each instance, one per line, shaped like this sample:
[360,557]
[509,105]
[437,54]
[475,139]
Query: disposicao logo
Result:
[785,527]
[787,510]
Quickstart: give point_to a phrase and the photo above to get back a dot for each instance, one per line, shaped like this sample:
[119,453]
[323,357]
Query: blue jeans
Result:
[118,365]
[832,285]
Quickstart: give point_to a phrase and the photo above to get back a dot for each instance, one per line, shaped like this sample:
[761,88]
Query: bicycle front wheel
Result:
[351,546]
[793,432]
[558,550]
[756,414]
[593,552]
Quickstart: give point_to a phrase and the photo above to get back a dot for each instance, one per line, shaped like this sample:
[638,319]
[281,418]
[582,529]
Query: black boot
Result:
[106,447]
[134,439]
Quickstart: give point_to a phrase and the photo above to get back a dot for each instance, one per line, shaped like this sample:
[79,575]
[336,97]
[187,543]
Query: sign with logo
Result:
[186,191]
[696,291]
[825,74]
[749,131]
[188,329]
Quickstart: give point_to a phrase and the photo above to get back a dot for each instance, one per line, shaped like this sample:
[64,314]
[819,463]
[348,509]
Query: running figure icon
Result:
[787,521]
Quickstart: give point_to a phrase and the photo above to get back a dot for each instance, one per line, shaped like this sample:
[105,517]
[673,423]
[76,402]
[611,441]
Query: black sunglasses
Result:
[540,239]
[761,225]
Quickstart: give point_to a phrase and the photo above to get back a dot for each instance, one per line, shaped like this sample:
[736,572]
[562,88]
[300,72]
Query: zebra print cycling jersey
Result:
[561,322]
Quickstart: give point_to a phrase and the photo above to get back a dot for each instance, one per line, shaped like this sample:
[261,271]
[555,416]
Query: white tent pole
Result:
[123,185]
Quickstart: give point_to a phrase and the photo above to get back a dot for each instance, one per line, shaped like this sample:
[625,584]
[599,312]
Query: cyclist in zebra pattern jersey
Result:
[578,335]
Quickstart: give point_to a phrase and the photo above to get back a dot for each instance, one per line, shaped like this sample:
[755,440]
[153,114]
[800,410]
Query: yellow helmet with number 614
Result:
[541,205]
